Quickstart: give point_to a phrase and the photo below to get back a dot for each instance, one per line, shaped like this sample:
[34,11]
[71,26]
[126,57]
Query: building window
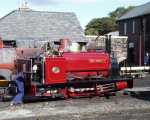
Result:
[125,28]
[10,44]
[133,26]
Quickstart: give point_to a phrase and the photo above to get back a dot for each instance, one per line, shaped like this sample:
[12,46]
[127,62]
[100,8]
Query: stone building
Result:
[118,45]
[27,28]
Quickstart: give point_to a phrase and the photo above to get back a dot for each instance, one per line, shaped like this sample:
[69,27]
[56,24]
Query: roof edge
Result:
[8,14]
[30,10]
[138,16]
[120,18]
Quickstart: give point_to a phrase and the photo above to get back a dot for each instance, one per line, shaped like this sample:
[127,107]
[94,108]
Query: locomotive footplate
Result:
[85,88]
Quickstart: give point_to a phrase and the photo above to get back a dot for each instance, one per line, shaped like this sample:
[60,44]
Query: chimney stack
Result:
[24,5]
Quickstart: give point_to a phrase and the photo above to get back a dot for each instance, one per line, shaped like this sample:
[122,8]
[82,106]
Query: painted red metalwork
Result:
[55,70]
[9,66]
[87,63]
[121,85]
[33,90]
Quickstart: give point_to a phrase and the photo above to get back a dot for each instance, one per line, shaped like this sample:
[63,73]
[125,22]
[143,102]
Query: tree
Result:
[100,26]
[106,24]
[120,11]
[93,26]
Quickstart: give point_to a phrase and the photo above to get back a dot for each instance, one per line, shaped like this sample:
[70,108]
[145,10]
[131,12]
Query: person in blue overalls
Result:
[20,89]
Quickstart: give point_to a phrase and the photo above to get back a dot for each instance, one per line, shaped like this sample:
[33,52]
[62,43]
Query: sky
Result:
[84,9]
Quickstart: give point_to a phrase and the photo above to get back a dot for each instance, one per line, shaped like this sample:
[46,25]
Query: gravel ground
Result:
[120,107]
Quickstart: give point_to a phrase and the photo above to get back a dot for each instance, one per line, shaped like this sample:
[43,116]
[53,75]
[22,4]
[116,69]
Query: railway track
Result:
[119,107]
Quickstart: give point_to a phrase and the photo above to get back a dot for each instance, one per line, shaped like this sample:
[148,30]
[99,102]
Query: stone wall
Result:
[118,45]
[7,55]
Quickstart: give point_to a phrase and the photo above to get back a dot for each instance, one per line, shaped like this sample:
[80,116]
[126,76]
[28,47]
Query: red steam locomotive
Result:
[70,74]
[79,74]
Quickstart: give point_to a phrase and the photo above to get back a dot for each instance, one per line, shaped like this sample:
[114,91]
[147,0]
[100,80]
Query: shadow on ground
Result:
[29,99]
[141,95]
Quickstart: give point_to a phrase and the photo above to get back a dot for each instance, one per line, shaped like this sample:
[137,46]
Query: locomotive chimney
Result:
[23,5]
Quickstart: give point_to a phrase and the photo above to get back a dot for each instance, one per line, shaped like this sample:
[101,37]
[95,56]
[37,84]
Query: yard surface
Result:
[120,107]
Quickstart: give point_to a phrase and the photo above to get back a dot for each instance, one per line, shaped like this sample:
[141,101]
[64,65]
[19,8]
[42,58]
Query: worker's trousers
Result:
[20,93]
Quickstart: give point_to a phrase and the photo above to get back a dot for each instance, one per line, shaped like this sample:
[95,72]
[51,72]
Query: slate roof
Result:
[41,25]
[137,12]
